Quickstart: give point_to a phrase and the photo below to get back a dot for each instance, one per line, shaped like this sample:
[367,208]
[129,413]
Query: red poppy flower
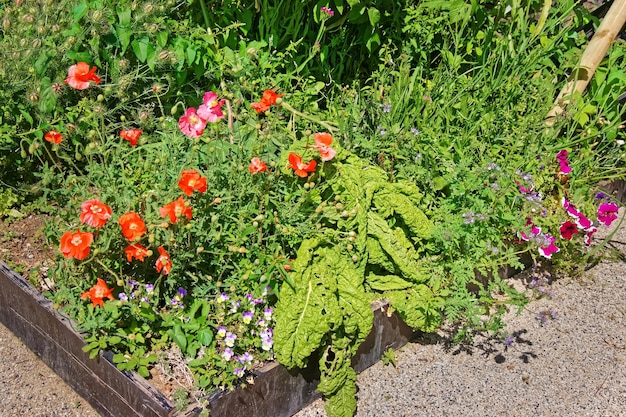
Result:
[76,244]
[568,229]
[94,213]
[133,227]
[164,263]
[269,98]
[136,251]
[131,135]
[53,137]
[301,169]
[191,180]
[256,165]
[98,293]
[176,209]
[79,76]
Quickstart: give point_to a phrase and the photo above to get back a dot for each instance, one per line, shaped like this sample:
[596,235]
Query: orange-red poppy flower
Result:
[269,98]
[76,244]
[53,137]
[164,263]
[256,165]
[191,180]
[301,169]
[322,144]
[94,213]
[131,135]
[79,76]
[133,227]
[176,209]
[136,251]
[98,293]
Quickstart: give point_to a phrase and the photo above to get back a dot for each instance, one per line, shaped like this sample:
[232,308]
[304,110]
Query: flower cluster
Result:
[326,152]
[246,325]
[193,122]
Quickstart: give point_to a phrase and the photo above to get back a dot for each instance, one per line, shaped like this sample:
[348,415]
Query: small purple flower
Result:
[267,290]
[240,371]
[381,131]
[249,297]
[386,107]
[145,299]
[122,296]
[149,288]
[267,313]
[230,339]
[132,284]
[245,358]
[228,353]
[415,131]
[223,297]
[182,292]
[267,343]
[261,323]
[234,306]
[247,317]
[600,195]
[509,340]
[221,331]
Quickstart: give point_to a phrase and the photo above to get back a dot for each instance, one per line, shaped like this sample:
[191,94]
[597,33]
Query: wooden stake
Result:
[592,56]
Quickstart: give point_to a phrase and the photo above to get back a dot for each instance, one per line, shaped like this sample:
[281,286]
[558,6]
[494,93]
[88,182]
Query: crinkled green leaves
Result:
[328,304]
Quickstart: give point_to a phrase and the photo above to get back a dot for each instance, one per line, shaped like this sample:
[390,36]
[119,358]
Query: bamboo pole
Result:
[592,56]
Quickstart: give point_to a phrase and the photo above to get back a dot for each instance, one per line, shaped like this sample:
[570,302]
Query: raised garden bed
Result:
[276,391]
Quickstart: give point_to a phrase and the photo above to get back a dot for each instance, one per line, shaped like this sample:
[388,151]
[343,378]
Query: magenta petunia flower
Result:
[191,124]
[549,249]
[568,229]
[607,213]
[561,157]
[581,220]
[211,109]
[589,234]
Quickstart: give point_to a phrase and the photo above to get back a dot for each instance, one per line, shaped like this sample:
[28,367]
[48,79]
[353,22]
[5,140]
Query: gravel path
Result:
[573,365]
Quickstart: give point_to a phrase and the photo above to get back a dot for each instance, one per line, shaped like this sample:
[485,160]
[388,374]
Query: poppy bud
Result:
[23,154]
[78,156]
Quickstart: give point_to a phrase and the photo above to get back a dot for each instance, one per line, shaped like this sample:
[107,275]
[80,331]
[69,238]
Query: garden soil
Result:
[567,355]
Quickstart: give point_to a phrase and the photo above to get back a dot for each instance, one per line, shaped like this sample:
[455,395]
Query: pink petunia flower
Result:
[607,213]
[191,124]
[211,109]
[589,234]
[581,220]
[550,248]
[561,157]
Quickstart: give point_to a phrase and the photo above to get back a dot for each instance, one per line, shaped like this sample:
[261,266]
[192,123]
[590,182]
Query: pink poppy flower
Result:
[211,109]
[256,165]
[79,76]
[322,144]
[191,124]
[607,213]
[568,229]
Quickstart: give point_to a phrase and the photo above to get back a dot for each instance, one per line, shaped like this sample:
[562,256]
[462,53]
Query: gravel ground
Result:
[573,365]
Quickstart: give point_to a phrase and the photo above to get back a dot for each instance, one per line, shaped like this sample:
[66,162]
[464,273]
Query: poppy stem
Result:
[205,14]
[327,125]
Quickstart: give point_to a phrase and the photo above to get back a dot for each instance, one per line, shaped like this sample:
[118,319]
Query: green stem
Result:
[327,125]
[205,14]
